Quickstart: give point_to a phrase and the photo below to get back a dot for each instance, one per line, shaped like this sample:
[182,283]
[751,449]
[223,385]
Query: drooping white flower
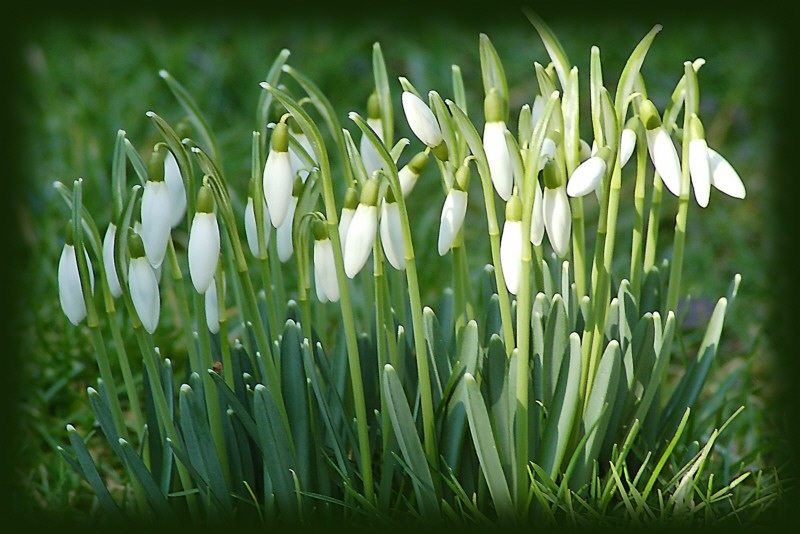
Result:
[627,143]
[204,242]
[392,232]
[587,176]
[661,148]
[156,210]
[109,261]
[699,162]
[298,164]
[278,176]
[555,210]
[143,285]
[454,210]
[325,282]
[70,293]
[212,308]
[410,172]
[423,123]
[346,217]
[361,233]
[511,244]
[283,235]
[494,144]
[724,177]
[176,188]
[369,154]
[537,217]
[250,229]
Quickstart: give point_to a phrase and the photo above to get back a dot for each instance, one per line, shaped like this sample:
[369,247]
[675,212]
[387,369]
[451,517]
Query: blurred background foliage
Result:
[86,79]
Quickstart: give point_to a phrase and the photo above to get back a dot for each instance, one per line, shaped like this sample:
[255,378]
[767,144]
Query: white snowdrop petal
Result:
[144,292]
[537,110]
[369,154]
[360,239]
[278,182]
[537,218]
[212,308]
[453,212]
[70,294]
[510,254]
[586,177]
[156,217]
[203,250]
[408,179]
[627,142]
[494,144]
[344,225]
[665,159]
[177,191]
[250,230]
[392,235]
[298,165]
[325,281]
[700,170]
[724,177]
[557,219]
[109,261]
[548,152]
[283,235]
[421,120]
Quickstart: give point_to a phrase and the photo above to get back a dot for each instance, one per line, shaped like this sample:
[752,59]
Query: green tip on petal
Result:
[350,199]
[369,194]
[649,115]
[696,129]
[493,106]
[389,196]
[320,229]
[551,175]
[280,138]
[373,106]
[440,151]
[135,245]
[155,166]
[514,208]
[205,199]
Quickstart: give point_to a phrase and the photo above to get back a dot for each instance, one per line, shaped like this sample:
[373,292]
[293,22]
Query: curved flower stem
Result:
[638,224]
[578,246]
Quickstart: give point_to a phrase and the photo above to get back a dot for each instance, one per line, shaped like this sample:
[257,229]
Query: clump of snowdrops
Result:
[318,386]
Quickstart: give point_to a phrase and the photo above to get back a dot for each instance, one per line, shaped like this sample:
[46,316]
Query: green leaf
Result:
[434,340]
[295,398]
[554,49]
[195,115]
[495,380]
[597,412]
[384,93]
[486,447]
[265,97]
[155,497]
[556,343]
[236,406]
[631,71]
[86,467]
[445,124]
[494,77]
[410,445]
[562,410]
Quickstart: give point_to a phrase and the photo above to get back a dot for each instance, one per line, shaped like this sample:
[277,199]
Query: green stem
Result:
[271,303]
[183,307]
[578,246]
[127,374]
[652,225]
[638,225]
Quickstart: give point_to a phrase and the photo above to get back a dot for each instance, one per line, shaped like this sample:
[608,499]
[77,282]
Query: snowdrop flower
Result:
[699,164]
[537,217]
[588,175]
[348,210]
[143,284]
[362,230]
[212,307]
[250,228]
[283,235]
[325,282]
[298,164]
[662,151]
[511,244]
[410,172]
[494,144]
[70,292]
[203,246]
[454,210]
[555,209]
[627,141]
[177,191]
[369,154]
[724,177]
[423,123]
[278,176]
[391,230]
[157,209]
[109,261]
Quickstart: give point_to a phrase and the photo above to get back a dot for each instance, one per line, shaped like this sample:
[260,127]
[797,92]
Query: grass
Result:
[85,83]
